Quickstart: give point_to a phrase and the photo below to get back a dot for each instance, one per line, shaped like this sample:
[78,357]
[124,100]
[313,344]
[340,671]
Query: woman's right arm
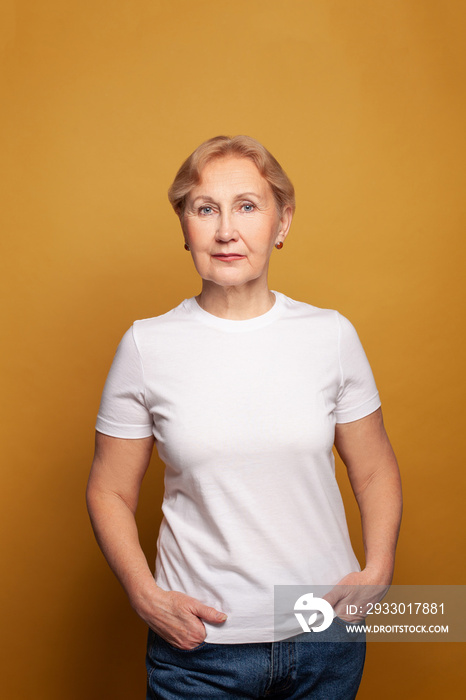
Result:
[112,495]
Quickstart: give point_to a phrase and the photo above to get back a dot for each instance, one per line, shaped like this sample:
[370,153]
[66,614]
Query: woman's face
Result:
[231,223]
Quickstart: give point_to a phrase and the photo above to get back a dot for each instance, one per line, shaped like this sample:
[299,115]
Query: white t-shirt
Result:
[244,416]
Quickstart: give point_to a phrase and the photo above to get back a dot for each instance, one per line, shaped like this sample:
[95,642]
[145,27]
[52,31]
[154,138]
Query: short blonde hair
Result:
[189,175]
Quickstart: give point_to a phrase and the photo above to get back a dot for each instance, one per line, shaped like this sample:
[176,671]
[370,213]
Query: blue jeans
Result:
[292,669]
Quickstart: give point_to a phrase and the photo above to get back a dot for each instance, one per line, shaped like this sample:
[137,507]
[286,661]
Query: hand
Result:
[178,618]
[358,589]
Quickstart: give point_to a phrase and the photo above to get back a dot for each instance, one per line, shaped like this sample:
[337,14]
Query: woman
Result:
[245,391]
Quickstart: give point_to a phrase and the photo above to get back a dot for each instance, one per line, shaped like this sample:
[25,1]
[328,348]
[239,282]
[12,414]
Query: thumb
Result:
[209,614]
[333,597]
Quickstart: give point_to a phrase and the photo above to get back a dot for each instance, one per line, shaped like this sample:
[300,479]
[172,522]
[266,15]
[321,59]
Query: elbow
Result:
[90,498]
[93,498]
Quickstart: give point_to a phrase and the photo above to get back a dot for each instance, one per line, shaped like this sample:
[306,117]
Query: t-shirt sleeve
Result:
[357,395]
[122,411]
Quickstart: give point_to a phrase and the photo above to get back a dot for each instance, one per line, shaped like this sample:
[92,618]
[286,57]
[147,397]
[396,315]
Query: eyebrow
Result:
[207,198]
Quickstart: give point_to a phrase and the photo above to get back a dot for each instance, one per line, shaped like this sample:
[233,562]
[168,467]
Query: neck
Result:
[235,303]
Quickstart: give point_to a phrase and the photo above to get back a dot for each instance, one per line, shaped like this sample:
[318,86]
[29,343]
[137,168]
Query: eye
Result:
[248,207]
[205,210]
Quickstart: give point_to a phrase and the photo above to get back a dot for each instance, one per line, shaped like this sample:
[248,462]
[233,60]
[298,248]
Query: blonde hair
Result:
[189,175]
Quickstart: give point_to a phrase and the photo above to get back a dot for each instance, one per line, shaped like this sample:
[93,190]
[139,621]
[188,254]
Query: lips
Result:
[228,257]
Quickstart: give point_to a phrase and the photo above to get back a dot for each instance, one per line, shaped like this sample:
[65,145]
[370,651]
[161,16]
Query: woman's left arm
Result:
[373,472]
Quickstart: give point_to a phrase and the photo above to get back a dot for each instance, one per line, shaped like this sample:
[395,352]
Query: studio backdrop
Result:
[363,103]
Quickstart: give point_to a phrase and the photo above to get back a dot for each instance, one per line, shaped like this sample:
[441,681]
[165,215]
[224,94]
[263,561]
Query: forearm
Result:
[116,532]
[175,616]
[373,472]
[112,495]
[380,504]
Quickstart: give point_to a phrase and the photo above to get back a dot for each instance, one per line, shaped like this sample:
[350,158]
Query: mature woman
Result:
[244,391]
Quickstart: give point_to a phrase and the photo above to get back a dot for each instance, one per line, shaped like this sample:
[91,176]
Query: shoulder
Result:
[306,313]
[328,325]
[147,331]
[302,309]
[171,315]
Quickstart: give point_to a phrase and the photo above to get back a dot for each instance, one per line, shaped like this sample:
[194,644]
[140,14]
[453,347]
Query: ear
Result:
[285,223]
[181,218]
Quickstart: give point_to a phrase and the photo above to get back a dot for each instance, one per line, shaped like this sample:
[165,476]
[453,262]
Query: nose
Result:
[226,230]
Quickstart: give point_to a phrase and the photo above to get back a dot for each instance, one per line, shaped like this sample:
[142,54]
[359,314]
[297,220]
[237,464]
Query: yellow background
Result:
[363,103]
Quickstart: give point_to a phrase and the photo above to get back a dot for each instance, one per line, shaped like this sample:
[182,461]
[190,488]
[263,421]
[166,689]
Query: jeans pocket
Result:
[354,631]
[156,641]
[345,623]
[185,651]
